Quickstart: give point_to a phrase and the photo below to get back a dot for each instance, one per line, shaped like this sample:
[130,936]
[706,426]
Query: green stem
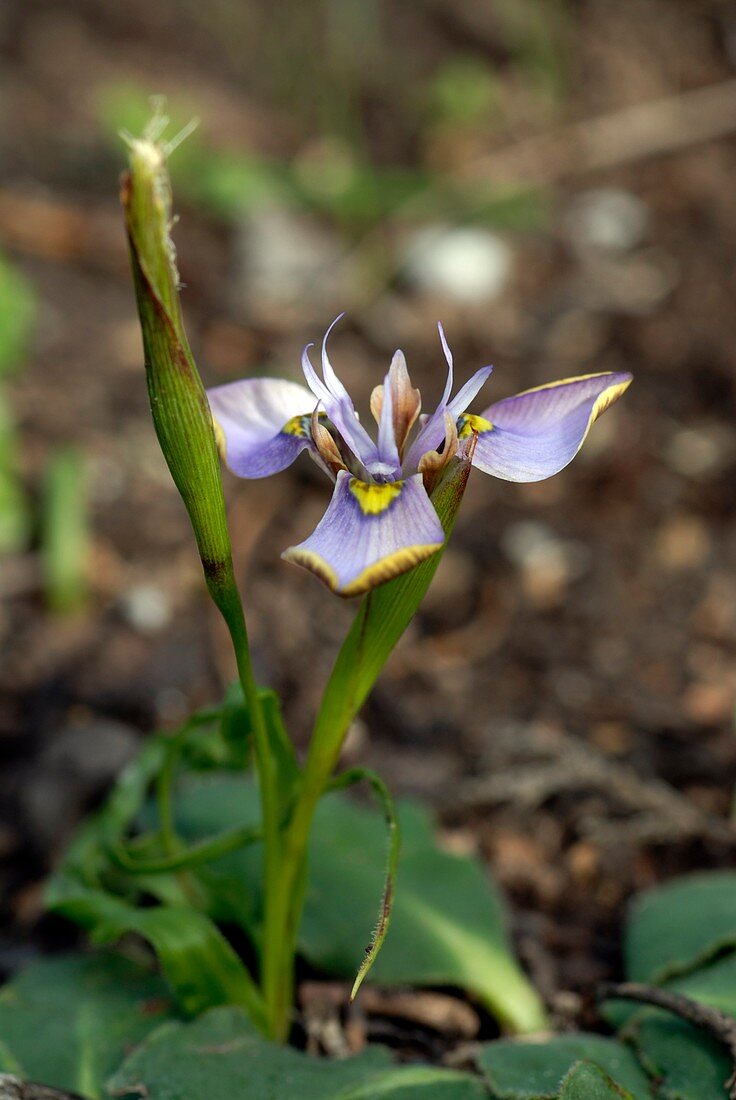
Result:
[165,778]
[335,715]
[225,594]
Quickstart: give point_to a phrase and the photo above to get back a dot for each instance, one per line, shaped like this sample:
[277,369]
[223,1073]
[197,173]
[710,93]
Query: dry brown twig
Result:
[634,133]
[529,765]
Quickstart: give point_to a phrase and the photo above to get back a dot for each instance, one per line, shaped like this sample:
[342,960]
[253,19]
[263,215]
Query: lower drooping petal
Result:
[369,534]
[261,424]
[535,434]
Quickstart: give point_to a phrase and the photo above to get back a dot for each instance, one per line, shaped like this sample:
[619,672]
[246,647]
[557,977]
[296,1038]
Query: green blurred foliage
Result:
[65,539]
[17,317]
[464,93]
[329,177]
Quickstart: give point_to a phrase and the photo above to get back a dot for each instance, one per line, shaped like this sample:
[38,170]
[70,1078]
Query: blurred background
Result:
[553,179]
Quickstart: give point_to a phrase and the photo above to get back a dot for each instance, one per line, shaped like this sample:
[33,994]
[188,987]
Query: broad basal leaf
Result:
[686,1063]
[448,925]
[536,1070]
[68,1022]
[677,927]
[586,1081]
[220,1057]
[691,1064]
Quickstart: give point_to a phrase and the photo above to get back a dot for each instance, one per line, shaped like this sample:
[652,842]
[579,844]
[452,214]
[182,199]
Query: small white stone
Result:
[285,260]
[546,563]
[607,219]
[466,264]
[700,452]
[146,608]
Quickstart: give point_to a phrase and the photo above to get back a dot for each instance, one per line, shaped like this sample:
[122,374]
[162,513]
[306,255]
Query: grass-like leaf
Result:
[197,961]
[357,775]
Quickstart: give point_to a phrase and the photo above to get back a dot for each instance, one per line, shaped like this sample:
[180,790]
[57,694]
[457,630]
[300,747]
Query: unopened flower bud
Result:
[180,410]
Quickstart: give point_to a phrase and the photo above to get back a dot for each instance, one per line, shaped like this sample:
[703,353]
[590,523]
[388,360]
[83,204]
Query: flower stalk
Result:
[183,424]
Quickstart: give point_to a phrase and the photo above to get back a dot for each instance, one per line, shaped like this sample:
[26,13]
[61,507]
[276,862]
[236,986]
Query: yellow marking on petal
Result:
[220,439]
[469,423]
[375,499]
[314,563]
[388,568]
[298,425]
[385,570]
[608,397]
[579,378]
[602,402]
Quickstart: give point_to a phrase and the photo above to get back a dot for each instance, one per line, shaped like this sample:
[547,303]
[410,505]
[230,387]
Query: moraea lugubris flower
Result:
[381,521]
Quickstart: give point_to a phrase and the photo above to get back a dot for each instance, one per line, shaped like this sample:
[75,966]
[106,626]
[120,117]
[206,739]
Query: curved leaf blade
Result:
[196,959]
[357,775]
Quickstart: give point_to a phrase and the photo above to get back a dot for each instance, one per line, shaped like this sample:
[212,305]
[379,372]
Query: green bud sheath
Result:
[179,406]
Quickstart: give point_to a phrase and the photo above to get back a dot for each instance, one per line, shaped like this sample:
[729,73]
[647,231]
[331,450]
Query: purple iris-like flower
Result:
[381,521]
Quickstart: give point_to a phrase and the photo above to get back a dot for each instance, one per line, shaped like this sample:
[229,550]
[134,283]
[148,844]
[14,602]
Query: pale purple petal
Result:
[448,356]
[369,534]
[315,383]
[388,464]
[466,393]
[537,433]
[338,406]
[250,417]
[332,382]
[432,431]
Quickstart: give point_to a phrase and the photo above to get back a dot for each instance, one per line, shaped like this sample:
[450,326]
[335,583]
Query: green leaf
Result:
[536,1070]
[586,1081]
[220,1057]
[691,1064]
[448,925]
[676,928]
[70,1021]
[688,1064]
[196,959]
